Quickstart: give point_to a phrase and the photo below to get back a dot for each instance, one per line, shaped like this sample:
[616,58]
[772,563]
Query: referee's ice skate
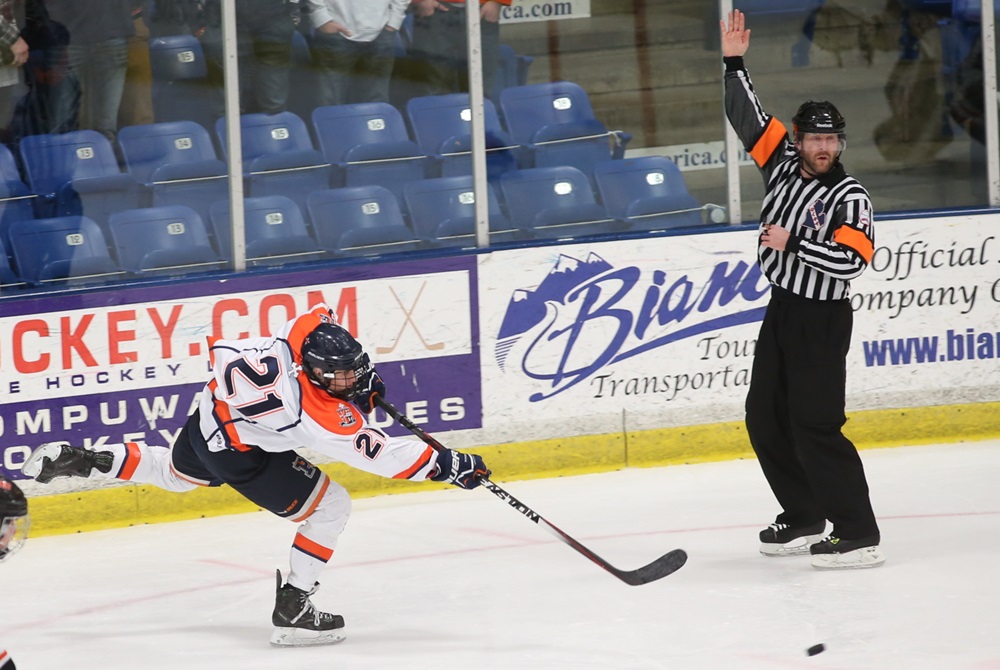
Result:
[834,553]
[782,539]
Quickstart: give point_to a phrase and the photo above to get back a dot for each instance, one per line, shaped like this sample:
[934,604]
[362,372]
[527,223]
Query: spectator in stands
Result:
[137,98]
[264,43]
[355,47]
[439,40]
[13,54]
[98,54]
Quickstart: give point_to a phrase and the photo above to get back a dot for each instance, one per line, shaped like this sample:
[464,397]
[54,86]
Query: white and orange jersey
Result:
[259,397]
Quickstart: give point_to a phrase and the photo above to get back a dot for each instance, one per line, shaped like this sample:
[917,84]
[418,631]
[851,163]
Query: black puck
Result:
[815,649]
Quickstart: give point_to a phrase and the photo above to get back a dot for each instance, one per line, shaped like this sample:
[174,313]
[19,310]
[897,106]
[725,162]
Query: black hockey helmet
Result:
[331,349]
[14,520]
[818,117]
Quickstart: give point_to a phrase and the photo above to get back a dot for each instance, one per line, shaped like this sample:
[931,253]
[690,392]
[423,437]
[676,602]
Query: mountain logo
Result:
[587,314]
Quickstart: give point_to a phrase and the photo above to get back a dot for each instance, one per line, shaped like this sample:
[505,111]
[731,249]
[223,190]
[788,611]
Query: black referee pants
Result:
[795,412]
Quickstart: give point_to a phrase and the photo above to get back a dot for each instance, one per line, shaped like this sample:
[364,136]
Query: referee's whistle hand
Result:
[774,237]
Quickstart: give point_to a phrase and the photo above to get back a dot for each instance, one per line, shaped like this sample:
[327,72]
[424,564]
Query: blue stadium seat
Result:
[363,140]
[152,146]
[287,175]
[162,240]
[8,166]
[8,278]
[649,193]
[443,213]
[556,122]
[16,200]
[442,125]
[278,155]
[77,174]
[435,118]
[15,205]
[512,70]
[340,128]
[274,230]
[384,165]
[175,57]
[360,220]
[196,185]
[61,249]
[268,134]
[555,202]
[179,79]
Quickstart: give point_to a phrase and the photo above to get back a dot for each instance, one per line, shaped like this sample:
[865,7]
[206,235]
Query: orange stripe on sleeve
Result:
[132,458]
[211,349]
[424,459]
[772,138]
[223,414]
[304,544]
[855,239]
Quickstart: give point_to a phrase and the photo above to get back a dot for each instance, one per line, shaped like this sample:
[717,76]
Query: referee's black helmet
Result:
[818,117]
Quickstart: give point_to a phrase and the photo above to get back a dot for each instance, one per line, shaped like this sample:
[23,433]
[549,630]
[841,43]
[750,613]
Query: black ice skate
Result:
[834,553]
[56,460]
[297,623]
[781,539]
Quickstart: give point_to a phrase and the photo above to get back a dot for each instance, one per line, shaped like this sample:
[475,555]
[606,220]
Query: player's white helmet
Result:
[14,520]
[330,349]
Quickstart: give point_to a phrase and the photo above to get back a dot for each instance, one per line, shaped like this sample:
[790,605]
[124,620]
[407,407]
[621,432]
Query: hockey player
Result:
[816,235]
[14,524]
[310,385]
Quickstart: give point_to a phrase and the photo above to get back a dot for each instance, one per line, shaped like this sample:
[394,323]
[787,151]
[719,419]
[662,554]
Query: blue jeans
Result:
[439,41]
[265,57]
[100,69]
[353,72]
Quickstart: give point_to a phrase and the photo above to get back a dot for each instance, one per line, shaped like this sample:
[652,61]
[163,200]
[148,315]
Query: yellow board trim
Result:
[131,504]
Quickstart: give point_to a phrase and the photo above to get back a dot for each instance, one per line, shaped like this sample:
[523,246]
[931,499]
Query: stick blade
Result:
[669,563]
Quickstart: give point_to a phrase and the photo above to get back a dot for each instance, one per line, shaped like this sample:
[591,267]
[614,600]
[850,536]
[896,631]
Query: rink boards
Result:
[560,359]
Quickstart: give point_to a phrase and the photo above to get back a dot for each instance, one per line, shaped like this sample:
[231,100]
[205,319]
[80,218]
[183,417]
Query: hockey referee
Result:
[816,235]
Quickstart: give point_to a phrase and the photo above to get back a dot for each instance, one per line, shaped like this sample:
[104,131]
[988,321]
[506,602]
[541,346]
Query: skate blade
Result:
[797,547]
[869,557]
[297,637]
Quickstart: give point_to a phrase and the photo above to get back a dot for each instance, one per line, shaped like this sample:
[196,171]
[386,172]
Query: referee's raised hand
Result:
[735,36]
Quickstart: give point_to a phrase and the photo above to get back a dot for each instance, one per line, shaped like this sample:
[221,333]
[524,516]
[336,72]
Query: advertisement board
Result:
[126,365]
[622,335]
[524,11]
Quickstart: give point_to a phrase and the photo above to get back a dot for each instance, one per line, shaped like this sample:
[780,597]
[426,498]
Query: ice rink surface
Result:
[456,579]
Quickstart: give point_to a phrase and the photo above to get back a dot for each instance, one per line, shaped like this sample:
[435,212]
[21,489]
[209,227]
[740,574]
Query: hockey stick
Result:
[667,564]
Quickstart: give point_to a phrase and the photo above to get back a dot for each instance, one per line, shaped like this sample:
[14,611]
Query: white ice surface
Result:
[456,579]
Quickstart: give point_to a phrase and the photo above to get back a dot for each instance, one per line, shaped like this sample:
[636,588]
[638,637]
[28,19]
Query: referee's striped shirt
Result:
[829,217]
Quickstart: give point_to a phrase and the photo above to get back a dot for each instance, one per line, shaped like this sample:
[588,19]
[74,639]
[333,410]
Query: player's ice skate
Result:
[53,460]
[781,539]
[297,623]
[836,554]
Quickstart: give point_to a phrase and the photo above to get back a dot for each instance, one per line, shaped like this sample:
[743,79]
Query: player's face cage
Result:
[13,533]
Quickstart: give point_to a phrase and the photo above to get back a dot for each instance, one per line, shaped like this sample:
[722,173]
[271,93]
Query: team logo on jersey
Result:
[346,416]
[817,215]
[304,466]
